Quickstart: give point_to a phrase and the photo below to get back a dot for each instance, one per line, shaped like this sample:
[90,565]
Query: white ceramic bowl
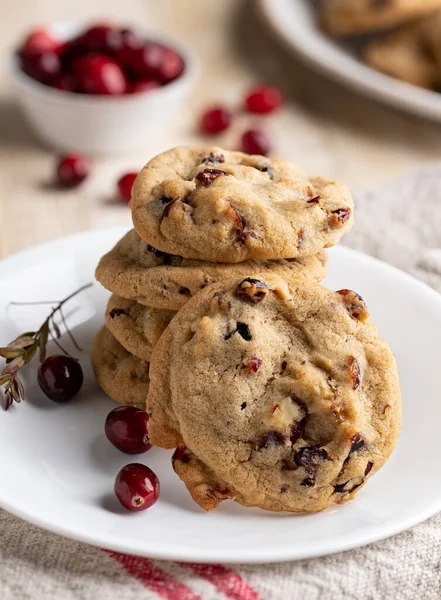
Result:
[101,124]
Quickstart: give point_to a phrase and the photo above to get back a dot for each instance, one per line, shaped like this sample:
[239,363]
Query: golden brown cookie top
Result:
[214,205]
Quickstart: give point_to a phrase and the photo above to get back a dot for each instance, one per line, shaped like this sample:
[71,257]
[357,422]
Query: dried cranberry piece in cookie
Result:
[340,216]
[355,305]
[309,457]
[182,453]
[116,312]
[166,258]
[207,176]
[349,486]
[252,290]
[357,443]
[273,438]
[213,159]
[297,430]
[253,364]
[268,170]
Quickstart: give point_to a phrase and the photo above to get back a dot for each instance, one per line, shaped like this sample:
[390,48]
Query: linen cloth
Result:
[399,222]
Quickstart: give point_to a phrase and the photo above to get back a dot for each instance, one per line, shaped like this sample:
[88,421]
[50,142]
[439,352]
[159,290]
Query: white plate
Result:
[295,23]
[57,468]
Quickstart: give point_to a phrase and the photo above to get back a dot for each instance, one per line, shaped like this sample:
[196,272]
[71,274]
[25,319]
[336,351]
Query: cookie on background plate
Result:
[406,55]
[277,394]
[353,17]
[135,326]
[136,271]
[123,377]
[219,206]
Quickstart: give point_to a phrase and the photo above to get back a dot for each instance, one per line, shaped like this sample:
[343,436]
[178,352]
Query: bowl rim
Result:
[28,84]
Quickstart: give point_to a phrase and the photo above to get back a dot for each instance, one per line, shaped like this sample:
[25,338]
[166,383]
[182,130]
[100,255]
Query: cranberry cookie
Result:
[213,205]
[136,327]
[136,271]
[276,394]
[120,375]
[406,55]
[352,17]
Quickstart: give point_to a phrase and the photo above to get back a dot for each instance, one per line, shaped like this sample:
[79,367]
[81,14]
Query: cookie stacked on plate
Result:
[274,390]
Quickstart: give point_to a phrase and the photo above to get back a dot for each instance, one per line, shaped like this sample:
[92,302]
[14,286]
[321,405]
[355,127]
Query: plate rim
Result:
[352,72]
[8,264]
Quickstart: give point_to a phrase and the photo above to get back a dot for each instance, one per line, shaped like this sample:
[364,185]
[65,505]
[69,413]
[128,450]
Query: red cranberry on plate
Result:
[255,141]
[137,487]
[143,85]
[72,169]
[216,119]
[125,184]
[60,377]
[39,40]
[127,428]
[99,74]
[263,99]
[45,67]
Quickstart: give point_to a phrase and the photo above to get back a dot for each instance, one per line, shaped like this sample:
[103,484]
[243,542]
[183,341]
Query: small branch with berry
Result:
[21,351]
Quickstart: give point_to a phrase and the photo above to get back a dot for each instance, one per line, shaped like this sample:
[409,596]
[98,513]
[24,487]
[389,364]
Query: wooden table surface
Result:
[323,126]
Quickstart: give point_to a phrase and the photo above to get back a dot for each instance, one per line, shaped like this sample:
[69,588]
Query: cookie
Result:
[136,327]
[353,17]
[136,271]
[120,375]
[405,55]
[277,394]
[213,205]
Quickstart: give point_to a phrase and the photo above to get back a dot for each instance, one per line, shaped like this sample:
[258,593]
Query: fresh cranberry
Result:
[99,74]
[136,487]
[40,40]
[131,42]
[263,99]
[42,66]
[127,428]
[66,83]
[255,141]
[125,184]
[171,67]
[60,377]
[146,61]
[143,85]
[216,119]
[72,169]
[102,38]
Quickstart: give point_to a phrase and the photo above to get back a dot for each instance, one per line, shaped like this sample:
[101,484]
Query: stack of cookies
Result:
[274,391]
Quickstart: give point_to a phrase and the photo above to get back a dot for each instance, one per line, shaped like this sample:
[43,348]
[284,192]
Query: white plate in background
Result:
[58,469]
[295,23]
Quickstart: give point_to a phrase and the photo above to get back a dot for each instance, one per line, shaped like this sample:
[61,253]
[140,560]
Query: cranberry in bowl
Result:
[100,88]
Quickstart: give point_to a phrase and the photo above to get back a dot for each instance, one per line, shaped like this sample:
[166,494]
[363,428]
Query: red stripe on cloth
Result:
[154,578]
[226,581]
